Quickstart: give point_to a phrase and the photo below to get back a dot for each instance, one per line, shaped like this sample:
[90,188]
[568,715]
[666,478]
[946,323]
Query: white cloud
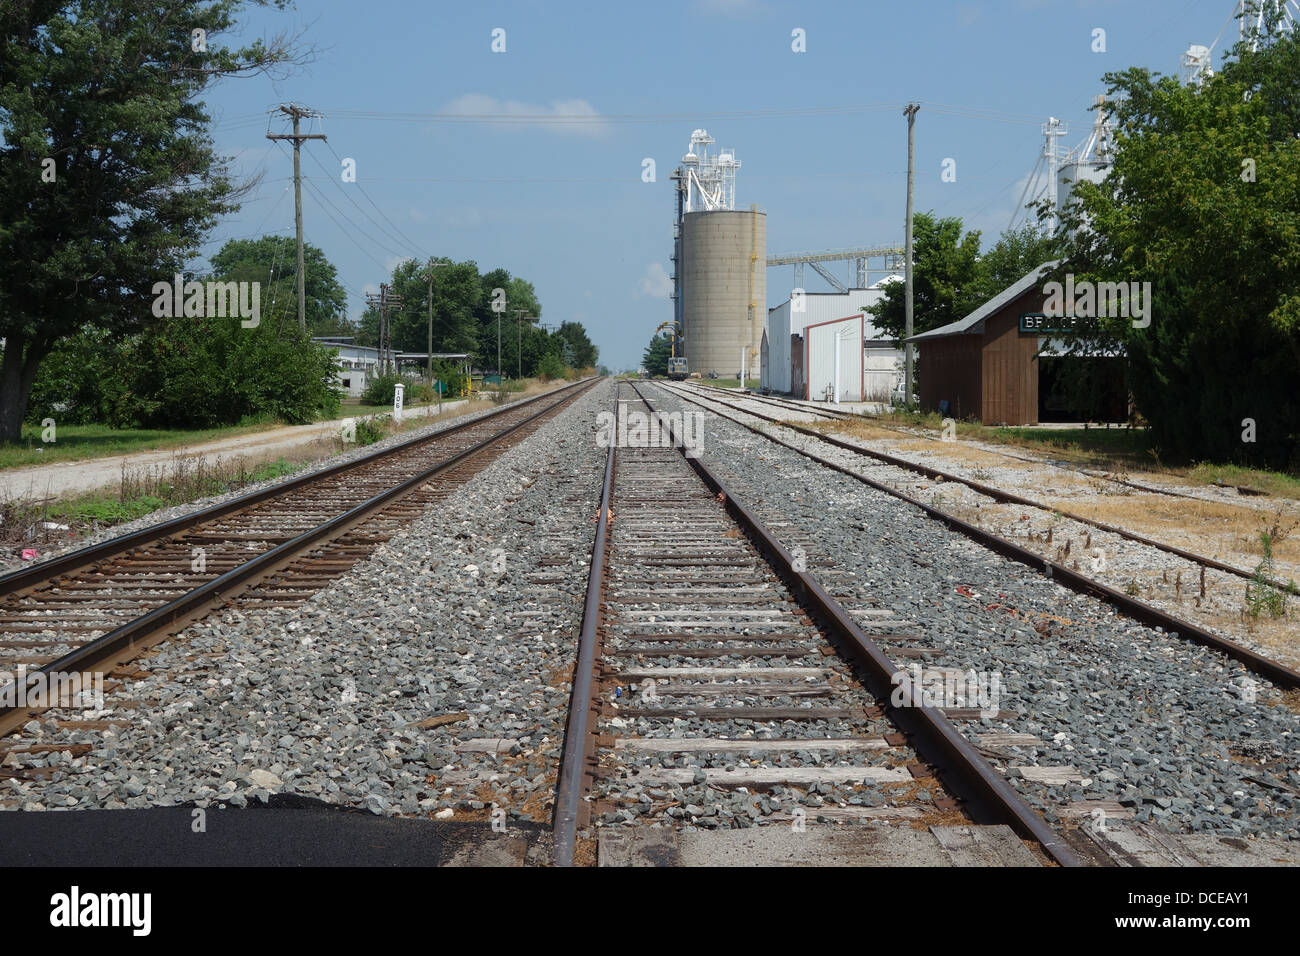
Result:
[575,116]
[656,282]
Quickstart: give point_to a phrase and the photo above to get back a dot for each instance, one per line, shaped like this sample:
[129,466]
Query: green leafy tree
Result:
[1010,259]
[205,372]
[273,261]
[108,175]
[655,358]
[585,353]
[945,278]
[1203,202]
[491,323]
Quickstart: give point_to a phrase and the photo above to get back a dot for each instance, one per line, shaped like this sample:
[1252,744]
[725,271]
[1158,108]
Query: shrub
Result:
[551,366]
[381,390]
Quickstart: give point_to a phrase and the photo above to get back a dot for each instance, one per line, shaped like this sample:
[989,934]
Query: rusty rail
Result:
[1140,611]
[962,768]
[134,632]
[579,742]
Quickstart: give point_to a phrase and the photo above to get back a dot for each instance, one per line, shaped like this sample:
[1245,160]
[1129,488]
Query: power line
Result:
[354,225]
[382,231]
[347,232]
[572,119]
[412,244]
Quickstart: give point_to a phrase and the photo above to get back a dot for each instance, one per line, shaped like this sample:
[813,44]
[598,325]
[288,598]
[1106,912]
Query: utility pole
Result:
[910,112]
[384,300]
[429,357]
[297,113]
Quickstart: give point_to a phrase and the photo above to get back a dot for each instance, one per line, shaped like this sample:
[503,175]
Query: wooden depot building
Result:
[990,364]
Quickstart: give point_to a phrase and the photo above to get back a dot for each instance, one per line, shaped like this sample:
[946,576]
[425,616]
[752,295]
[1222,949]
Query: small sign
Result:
[1040,323]
[397,402]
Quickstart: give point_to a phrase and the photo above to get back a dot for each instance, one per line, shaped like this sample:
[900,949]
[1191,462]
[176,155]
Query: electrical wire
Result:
[382,231]
[414,245]
[342,228]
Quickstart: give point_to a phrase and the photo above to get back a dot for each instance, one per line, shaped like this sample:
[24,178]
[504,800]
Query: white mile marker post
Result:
[397,401]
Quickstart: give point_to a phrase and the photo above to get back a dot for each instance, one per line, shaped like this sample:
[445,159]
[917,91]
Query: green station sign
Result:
[1040,323]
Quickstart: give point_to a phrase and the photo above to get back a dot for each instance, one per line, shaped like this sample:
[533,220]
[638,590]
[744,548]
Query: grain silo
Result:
[721,267]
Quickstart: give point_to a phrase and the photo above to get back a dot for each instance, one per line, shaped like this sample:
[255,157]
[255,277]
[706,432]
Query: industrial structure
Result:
[1255,18]
[892,257]
[719,253]
[799,362]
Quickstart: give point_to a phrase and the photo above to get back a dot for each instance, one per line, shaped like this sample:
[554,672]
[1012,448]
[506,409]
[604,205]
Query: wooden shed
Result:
[982,365]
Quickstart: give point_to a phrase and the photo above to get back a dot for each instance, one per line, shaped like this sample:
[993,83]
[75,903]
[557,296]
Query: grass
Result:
[728,382]
[80,442]
[1275,483]
[1116,450]
[142,492]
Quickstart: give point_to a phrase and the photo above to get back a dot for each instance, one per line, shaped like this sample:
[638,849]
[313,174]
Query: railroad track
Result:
[705,640]
[831,415]
[1005,497]
[96,608]
[1140,611]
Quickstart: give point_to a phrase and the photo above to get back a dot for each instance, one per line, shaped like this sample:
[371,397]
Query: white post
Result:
[835,344]
[397,401]
[741,386]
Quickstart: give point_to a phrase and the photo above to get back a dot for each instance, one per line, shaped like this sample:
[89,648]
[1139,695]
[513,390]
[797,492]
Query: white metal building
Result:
[833,359]
[357,364]
[784,345]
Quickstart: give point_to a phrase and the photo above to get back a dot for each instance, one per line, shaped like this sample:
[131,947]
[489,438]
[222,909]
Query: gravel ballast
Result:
[1175,733]
[430,679]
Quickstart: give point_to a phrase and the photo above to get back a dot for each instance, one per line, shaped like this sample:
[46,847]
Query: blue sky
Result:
[408,90]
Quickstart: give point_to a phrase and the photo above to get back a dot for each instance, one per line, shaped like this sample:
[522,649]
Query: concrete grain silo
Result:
[721,268]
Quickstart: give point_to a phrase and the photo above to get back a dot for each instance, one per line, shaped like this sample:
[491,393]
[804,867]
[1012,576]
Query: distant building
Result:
[789,355]
[357,364]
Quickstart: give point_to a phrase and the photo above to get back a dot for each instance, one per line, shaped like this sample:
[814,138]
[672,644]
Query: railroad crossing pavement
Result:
[944,846]
[296,831]
[78,477]
[283,834]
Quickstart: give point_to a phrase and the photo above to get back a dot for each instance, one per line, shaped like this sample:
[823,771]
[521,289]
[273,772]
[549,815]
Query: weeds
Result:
[140,492]
[1261,596]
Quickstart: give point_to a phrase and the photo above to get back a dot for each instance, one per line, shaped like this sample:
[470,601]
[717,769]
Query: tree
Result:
[944,278]
[1010,259]
[584,352]
[455,289]
[205,372]
[655,358]
[273,261]
[491,325]
[1203,202]
[108,176]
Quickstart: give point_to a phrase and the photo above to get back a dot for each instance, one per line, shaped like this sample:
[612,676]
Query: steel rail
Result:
[579,742]
[35,574]
[876,423]
[963,769]
[1139,611]
[125,637]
